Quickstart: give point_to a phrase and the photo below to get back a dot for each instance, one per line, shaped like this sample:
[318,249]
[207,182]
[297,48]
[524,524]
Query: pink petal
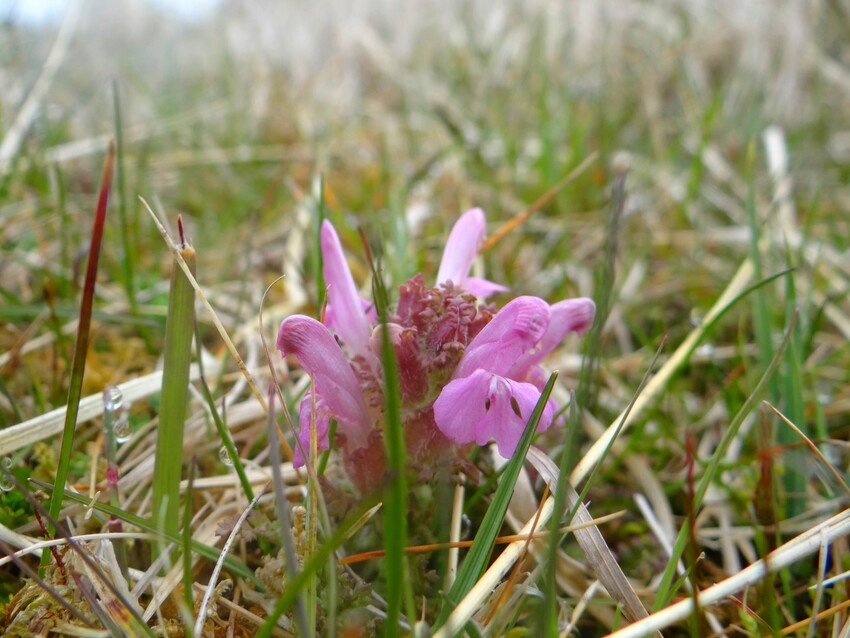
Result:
[482,288]
[511,405]
[332,321]
[348,317]
[320,355]
[305,417]
[515,330]
[461,405]
[485,406]
[461,247]
[570,315]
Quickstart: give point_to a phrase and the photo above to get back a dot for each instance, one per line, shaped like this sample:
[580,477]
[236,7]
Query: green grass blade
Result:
[188,598]
[179,329]
[395,494]
[482,545]
[78,366]
[129,262]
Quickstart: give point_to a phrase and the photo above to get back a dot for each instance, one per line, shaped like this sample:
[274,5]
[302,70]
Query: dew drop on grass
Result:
[113,399]
[465,527]
[121,426]
[706,350]
[6,483]
[224,456]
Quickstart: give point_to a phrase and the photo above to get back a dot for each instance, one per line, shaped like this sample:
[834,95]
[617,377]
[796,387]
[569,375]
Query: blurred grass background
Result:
[413,112]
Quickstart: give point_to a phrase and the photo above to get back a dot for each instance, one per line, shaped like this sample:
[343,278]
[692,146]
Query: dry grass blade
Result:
[211,586]
[599,556]
[517,220]
[793,551]
[91,407]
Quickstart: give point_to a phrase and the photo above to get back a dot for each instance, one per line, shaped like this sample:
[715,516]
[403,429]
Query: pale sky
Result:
[42,11]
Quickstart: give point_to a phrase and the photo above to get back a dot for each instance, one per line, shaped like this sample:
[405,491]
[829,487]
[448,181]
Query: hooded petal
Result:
[570,315]
[515,330]
[485,406]
[348,316]
[461,249]
[305,417]
[462,246]
[320,355]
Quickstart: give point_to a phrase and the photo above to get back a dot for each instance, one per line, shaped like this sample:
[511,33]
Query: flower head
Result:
[467,374]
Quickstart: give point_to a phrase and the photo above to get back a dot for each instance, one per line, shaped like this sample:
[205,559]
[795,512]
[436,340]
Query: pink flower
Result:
[461,249]
[489,396]
[466,373]
[338,391]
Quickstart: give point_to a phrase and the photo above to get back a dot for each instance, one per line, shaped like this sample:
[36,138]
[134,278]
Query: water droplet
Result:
[224,455]
[706,350]
[696,320]
[465,527]
[121,427]
[6,483]
[113,398]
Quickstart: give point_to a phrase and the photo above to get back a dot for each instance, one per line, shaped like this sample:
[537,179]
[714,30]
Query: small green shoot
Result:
[179,329]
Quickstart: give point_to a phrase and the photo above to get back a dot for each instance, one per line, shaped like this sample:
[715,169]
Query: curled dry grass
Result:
[727,119]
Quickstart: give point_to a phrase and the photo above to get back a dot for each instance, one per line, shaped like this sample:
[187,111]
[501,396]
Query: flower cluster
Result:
[467,373]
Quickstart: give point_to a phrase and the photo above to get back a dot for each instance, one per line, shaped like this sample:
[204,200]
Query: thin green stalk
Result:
[179,329]
[604,276]
[795,477]
[129,261]
[316,260]
[188,598]
[221,426]
[78,366]
[395,494]
[399,590]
